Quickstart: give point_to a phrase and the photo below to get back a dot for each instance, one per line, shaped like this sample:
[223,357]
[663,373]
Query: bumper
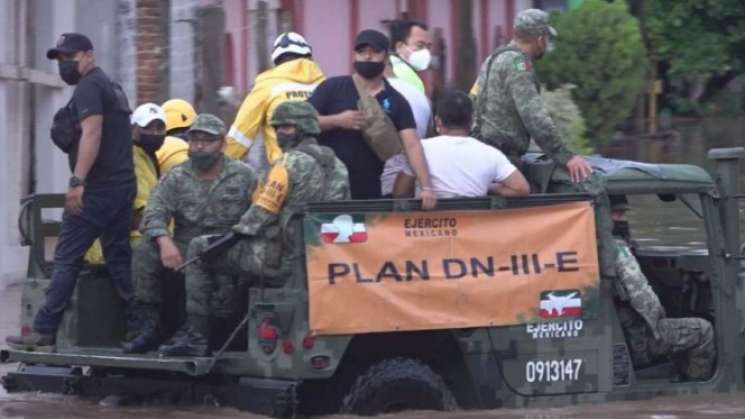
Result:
[263,396]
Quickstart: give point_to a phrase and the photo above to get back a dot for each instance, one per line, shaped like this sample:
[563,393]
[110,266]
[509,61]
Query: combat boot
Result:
[142,333]
[38,342]
[193,340]
[145,340]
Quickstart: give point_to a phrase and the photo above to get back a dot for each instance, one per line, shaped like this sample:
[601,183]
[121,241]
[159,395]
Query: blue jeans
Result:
[106,214]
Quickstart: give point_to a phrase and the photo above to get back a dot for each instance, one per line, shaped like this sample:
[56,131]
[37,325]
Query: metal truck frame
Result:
[281,368]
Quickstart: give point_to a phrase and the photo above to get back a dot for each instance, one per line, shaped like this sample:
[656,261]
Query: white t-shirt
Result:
[392,167]
[463,166]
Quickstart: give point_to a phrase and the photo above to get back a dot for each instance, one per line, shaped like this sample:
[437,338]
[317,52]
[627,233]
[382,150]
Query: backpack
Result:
[326,158]
[66,130]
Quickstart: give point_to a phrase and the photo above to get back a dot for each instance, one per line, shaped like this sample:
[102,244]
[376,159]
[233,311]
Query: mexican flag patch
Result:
[522,65]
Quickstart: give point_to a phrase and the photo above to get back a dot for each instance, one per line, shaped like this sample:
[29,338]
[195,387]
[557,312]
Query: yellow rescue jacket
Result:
[174,151]
[147,177]
[293,80]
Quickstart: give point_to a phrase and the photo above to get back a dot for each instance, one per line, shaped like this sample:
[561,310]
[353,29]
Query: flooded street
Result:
[680,227]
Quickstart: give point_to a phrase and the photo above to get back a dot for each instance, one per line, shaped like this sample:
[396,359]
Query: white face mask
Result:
[419,59]
[550,46]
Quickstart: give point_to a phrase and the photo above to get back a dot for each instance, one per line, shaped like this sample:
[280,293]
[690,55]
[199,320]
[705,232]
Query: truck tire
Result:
[398,384]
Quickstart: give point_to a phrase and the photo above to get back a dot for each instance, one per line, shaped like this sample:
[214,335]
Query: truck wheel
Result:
[398,384]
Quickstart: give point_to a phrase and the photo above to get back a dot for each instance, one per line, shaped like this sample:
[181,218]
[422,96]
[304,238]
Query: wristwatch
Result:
[76,181]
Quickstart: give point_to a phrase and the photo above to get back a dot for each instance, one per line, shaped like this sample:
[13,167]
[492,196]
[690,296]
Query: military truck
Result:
[480,304]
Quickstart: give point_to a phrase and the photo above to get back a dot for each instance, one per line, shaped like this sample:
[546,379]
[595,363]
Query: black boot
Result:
[193,340]
[146,339]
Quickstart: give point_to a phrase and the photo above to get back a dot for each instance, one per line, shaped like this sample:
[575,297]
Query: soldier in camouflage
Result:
[509,112]
[509,108]
[207,194]
[649,333]
[306,172]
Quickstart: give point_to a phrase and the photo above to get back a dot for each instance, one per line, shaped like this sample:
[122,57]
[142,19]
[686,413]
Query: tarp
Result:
[441,270]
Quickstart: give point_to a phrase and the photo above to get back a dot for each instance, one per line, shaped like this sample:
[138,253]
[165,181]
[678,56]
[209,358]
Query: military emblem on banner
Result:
[345,228]
[560,303]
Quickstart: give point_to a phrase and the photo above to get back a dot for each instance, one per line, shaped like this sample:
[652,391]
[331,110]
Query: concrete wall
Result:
[30,93]
[181,53]
[327,29]
[126,59]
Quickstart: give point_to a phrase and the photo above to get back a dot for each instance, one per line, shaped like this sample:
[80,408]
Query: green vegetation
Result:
[600,51]
[700,45]
[568,117]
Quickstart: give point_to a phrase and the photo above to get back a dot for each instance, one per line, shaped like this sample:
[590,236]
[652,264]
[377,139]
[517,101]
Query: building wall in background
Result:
[182,58]
[30,93]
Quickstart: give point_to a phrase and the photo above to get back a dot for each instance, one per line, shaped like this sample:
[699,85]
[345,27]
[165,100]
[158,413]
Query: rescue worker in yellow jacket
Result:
[148,135]
[175,150]
[294,77]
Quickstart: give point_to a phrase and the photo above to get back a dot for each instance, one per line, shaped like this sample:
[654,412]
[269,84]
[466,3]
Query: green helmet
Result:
[298,113]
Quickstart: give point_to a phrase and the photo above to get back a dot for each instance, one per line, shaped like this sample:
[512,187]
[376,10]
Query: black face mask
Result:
[621,229]
[287,141]
[151,142]
[204,160]
[68,71]
[369,69]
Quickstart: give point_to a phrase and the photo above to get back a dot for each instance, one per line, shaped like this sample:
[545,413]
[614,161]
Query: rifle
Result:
[218,244]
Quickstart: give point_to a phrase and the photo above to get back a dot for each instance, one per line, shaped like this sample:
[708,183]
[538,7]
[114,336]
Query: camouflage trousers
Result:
[689,341]
[148,272]
[214,288]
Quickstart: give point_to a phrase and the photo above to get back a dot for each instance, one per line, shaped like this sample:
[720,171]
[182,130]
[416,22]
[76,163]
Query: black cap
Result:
[69,43]
[372,38]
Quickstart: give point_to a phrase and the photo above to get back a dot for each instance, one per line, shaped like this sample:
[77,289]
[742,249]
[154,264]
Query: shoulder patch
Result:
[271,196]
[521,64]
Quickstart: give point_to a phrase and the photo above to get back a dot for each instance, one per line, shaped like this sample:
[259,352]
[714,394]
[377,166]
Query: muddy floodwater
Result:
[679,228]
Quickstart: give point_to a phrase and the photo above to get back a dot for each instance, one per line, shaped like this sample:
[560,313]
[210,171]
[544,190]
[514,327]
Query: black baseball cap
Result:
[68,43]
[373,38]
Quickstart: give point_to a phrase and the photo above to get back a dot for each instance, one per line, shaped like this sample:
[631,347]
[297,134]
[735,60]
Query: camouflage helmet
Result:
[534,22]
[298,113]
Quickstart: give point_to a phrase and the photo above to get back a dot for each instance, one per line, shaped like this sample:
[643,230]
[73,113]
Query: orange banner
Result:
[442,270]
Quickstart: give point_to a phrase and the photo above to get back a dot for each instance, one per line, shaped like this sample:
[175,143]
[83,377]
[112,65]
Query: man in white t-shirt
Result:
[461,166]
[422,111]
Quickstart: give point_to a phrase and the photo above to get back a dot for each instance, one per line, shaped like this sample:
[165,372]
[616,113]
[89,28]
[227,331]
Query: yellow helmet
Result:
[179,114]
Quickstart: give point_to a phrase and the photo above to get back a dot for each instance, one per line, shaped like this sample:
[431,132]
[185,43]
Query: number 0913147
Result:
[553,371]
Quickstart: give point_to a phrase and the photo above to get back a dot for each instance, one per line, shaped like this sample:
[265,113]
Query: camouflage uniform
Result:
[650,334]
[196,207]
[307,172]
[509,109]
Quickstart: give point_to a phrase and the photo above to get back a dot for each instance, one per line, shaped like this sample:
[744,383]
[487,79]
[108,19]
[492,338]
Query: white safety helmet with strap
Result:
[290,42]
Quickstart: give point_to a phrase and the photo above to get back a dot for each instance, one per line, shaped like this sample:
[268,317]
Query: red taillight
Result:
[287,346]
[25,330]
[268,335]
[309,341]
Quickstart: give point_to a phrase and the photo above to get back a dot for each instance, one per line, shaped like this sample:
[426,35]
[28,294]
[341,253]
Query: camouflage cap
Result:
[299,113]
[208,123]
[619,203]
[534,22]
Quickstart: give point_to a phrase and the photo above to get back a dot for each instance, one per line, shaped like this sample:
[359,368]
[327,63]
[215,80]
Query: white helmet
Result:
[290,42]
